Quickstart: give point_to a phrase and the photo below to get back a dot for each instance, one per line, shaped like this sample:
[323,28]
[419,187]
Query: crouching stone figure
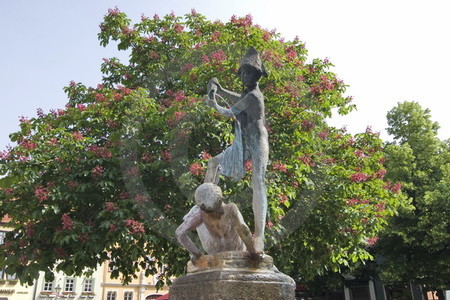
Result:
[219,225]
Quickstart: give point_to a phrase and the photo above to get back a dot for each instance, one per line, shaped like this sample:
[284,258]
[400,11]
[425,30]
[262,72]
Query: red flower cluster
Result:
[307,160]
[372,241]
[242,22]
[28,145]
[205,155]
[178,28]
[323,135]
[67,222]
[110,206]
[102,152]
[141,198]
[41,193]
[359,177]
[100,97]
[134,226]
[196,169]
[396,188]
[218,56]
[77,136]
[248,165]
[72,184]
[308,125]
[97,171]
[279,167]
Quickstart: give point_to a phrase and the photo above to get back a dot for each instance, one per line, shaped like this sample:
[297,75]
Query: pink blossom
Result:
[248,165]
[306,159]
[380,174]
[396,188]
[323,135]
[147,157]
[242,22]
[279,167]
[23,119]
[83,237]
[124,195]
[178,28]
[153,55]
[166,156]
[27,144]
[134,226]
[113,12]
[205,59]
[308,125]
[196,169]
[77,136]
[132,172]
[97,171]
[282,198]
[40,113]
[187,67]
[291,53]
[141,198]
[359,177]
[215,36]
[110,206]
[60,252]
[360,153]
[102,152]
[72,184]
[112,228]
[372,241]
[30,230]
[67,222]
[218,56]
[352,202]
[81,107]
[205,155]
[41,193]
[269,225]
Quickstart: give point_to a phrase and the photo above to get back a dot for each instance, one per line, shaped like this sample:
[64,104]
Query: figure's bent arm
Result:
[234,97]
[189,224]
[242,229]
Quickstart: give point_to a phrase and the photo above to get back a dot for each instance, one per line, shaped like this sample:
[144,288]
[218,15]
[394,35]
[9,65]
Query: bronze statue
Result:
[251,137]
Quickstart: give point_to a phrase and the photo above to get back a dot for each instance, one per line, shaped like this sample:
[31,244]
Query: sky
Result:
[387,51]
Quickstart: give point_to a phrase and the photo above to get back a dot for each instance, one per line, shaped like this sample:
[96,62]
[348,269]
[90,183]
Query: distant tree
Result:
[110,176]
[416,245]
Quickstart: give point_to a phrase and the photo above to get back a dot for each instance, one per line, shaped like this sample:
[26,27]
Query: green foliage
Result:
[415,247]
[111,176]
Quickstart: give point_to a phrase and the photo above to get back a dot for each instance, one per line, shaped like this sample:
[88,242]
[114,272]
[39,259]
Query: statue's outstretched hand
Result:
[213,84]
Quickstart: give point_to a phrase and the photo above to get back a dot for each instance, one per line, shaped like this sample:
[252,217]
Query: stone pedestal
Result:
[233,276]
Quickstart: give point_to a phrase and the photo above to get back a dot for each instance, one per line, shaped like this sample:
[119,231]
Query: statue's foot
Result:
[259,244]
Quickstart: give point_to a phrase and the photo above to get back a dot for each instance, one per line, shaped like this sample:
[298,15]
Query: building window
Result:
[2,237]
[48,286]
[88,285]
[111,295]
[128,296]
[69,285]
[11,276]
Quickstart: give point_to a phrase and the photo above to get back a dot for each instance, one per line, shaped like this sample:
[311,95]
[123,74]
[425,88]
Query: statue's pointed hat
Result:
[251,58]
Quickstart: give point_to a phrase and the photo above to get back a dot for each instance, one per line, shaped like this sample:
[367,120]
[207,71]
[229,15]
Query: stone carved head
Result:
[251,59]
[208,197]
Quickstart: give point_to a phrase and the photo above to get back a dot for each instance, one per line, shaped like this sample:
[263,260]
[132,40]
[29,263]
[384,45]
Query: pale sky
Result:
[386,50]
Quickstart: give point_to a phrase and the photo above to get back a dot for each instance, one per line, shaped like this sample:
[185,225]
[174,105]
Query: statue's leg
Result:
[259,159]
[213,168]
